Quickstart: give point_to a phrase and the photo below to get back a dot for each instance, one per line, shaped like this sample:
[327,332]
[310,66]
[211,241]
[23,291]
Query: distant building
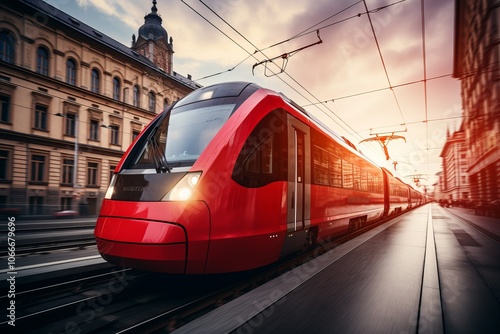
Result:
[476,64]
[454,184]
[437,187]
[72,101]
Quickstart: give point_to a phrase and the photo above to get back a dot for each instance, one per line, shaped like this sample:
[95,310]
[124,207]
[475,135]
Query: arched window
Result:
[7,42]
[116,88]
[71,71]
[137,96]
[94,80]
[165,103]
[42,61]
[152,102]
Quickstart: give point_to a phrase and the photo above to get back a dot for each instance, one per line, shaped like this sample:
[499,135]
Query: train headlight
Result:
[111,187]
[184,188]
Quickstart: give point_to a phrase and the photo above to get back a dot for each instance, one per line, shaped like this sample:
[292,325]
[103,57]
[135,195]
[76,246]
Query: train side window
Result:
[335,171]
[347,174]
[356,177]
[364,180]
[262,159]
[377,184]
[320,167]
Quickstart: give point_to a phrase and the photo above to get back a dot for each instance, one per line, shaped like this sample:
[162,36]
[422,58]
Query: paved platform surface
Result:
[431,270]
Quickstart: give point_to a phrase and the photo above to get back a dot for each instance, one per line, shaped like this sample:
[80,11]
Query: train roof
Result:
[323,127]
[235,88]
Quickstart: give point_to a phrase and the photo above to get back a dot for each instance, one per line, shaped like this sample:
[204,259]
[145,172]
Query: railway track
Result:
[51,246]
[43,237]
[128,301]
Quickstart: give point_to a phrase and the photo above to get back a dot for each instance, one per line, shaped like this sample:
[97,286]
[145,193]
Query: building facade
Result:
[72,101]
[437,190]
[454,181]
[476,65]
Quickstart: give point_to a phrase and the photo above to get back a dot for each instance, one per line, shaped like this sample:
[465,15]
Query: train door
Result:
[299,185]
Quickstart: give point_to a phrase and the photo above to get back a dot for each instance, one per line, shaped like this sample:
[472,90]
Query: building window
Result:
[42,61]
[67,171]
[152,101]
[70,128]
[135,134]
[165,104]
[7,42]
[41,113]
[94,84]
[116,88]
[38,168]
[5,156]
[94,129]
[4,112]
[115,134]
[71,72]
[93,174]
[137,96]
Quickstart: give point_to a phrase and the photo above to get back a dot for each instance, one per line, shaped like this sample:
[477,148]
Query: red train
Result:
[233,177]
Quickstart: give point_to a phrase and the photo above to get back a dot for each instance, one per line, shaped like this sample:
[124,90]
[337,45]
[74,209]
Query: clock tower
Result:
[153,42]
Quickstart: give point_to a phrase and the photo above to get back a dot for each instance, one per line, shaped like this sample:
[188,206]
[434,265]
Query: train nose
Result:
[168,237]
[142,244]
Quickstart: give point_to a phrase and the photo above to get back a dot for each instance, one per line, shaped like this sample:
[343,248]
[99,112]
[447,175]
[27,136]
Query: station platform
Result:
[431,270]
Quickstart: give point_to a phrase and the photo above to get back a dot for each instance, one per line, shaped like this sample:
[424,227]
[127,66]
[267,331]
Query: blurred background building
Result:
[72,101]
[476,65]
[454,179]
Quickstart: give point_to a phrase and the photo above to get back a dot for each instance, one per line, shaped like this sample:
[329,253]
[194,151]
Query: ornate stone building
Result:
[72,101]
[454,183]
[476,65]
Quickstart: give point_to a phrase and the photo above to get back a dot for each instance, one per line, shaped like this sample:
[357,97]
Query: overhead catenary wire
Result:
[253,54]
[298,35]
[378,90]
[314,27]
[424,64]
[318,103]
[385,70]
[329,114]
[222,72]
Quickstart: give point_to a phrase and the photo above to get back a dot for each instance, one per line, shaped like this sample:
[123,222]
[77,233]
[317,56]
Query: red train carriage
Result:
[231,178]
[397,193]
[416,198]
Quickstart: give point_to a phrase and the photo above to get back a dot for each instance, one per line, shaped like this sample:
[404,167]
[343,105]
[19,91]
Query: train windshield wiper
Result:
[158,153]
[161,163]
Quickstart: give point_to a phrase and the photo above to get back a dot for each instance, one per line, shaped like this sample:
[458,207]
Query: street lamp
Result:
[75,164]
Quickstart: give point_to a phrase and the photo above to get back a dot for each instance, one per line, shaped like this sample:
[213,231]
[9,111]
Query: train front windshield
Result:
[180,137]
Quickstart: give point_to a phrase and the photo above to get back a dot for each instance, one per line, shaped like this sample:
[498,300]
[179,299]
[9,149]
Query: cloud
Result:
[122,11]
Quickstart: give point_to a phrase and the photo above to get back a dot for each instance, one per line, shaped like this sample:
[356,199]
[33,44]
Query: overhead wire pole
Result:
[385,69]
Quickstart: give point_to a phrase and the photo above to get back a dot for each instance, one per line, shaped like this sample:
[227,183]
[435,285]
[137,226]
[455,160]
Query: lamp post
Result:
[75,163]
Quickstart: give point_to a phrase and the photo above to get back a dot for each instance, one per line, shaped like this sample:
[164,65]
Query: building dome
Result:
[152,28]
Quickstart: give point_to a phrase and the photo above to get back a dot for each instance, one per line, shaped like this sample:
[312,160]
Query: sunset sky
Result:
[346,67]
